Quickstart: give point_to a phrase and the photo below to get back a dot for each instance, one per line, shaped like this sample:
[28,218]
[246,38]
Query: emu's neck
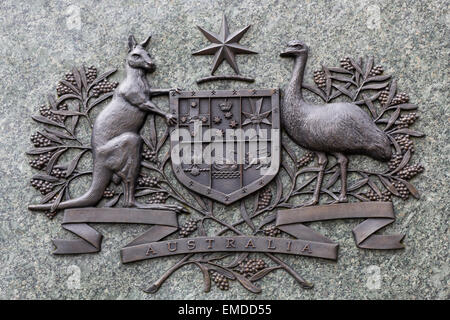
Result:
[295,85]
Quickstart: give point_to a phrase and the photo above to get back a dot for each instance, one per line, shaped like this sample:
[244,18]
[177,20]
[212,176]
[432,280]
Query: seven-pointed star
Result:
[256,117]
[224,46]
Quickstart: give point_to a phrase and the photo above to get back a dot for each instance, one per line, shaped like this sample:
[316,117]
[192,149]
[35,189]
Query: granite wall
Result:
[40,40]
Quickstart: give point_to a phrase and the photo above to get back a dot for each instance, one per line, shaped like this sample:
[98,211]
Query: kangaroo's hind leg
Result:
[130,172]
[124,160]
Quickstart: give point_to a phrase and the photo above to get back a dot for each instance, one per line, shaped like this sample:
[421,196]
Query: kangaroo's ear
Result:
[131,42]
[146,42]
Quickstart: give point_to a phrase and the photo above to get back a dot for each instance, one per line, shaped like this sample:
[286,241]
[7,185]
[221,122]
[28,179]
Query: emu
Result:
[335,128]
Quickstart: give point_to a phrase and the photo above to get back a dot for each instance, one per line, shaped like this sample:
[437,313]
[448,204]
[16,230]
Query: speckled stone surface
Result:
[40,40]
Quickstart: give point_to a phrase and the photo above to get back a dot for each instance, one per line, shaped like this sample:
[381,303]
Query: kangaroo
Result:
[116,143]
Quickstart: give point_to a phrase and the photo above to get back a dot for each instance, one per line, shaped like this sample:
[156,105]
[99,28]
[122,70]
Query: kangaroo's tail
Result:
[100,181]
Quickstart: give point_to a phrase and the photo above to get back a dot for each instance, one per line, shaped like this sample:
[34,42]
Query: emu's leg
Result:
[322,162]
[343,164]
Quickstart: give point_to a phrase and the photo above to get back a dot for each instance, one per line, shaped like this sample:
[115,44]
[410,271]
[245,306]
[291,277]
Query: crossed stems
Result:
[209,215]
[281,203]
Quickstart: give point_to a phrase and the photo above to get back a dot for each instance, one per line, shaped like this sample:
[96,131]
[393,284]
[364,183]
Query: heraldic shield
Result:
[226,144]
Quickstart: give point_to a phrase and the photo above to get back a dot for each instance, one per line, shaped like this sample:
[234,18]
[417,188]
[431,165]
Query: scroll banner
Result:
[75,220]
[379,214]
[307,243]
[227,244]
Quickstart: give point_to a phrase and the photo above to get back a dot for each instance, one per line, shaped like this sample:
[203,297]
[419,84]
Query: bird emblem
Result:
[338,128]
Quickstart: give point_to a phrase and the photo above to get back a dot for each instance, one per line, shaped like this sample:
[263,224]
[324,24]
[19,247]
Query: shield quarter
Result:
[226,144]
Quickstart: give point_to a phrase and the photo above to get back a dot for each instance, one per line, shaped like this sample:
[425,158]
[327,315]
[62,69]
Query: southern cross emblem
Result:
[256,117]
[224,45]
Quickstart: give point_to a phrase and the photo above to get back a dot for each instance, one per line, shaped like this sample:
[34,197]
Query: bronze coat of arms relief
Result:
[226,147]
